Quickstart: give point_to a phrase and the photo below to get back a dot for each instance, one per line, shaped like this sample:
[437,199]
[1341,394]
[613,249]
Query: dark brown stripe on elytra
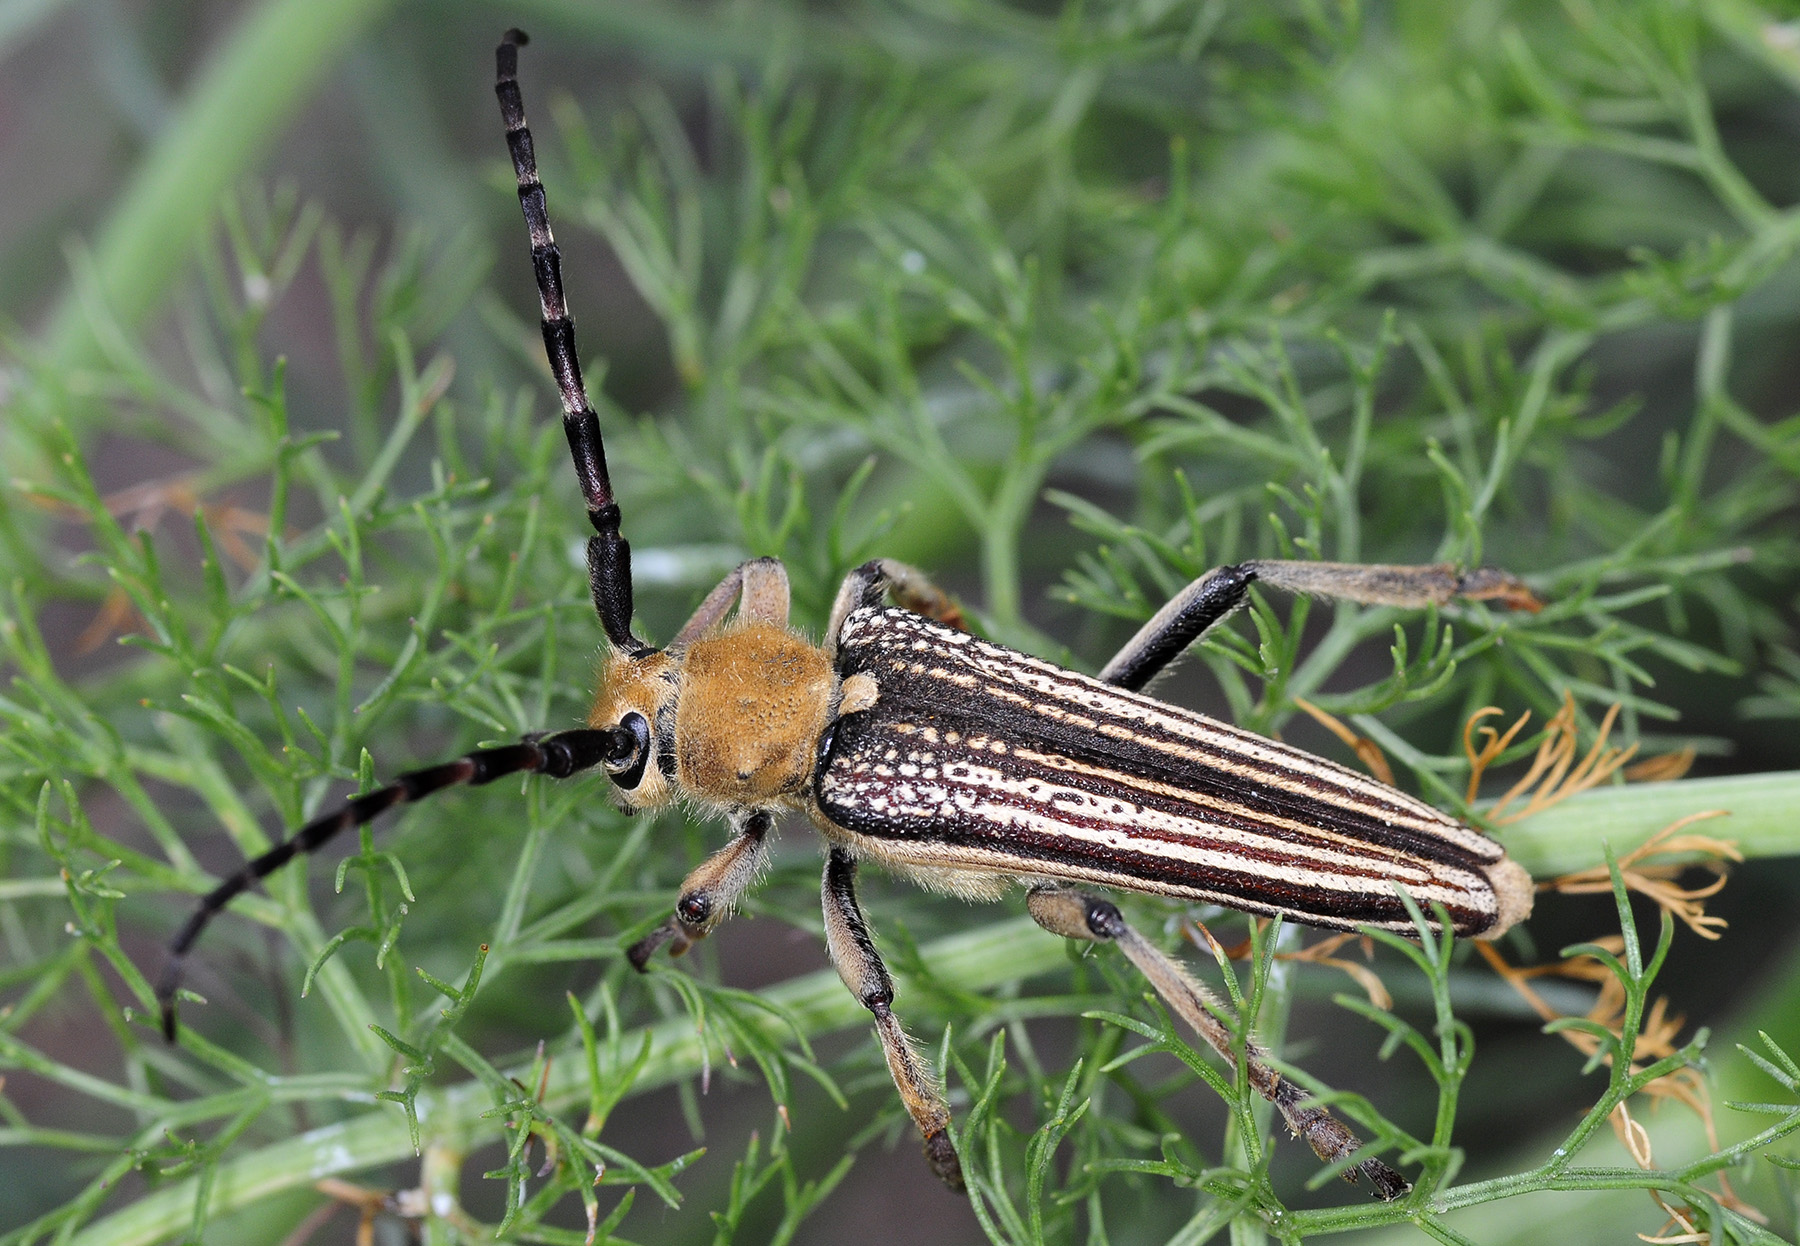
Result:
[1230,806]
[918,663]
[1107,778]
[888,807]
[1308,790]
[1029,852]
[866,738]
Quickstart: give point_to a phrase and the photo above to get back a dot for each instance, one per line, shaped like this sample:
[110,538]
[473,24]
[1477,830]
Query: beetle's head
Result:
[637,693]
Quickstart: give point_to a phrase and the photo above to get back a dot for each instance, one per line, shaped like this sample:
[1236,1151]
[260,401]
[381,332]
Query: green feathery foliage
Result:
[1066,305]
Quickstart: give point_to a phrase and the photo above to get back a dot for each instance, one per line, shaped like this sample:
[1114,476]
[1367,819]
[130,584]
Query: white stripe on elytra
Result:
[917,787]
[1227,748]
[1315,841]
[1076,867]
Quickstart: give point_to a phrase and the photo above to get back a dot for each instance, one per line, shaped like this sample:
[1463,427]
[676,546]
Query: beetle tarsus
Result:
[670,933]
[940,1154]
[1331,1140]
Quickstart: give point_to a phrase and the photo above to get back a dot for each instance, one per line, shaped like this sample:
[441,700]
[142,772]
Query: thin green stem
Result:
[1567,837]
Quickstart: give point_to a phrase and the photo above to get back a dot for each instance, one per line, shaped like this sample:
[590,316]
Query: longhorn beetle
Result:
[965,766]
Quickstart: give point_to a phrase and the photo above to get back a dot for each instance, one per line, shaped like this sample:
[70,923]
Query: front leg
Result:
[859,965]
[712,891]
[759,590]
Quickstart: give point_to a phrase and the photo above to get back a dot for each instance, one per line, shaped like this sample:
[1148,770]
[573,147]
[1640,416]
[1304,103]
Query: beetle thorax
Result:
[754,699]
[746,705]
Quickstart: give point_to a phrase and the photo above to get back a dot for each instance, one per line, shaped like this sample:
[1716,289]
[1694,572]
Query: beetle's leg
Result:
[759,588]
[911,588]
[1077,915]
[859,965]
[712,891]
[558,756]
[1220,591]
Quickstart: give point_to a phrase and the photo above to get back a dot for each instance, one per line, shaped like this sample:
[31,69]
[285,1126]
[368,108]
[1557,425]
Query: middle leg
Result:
[859,965]
[1187,617]
[910,587]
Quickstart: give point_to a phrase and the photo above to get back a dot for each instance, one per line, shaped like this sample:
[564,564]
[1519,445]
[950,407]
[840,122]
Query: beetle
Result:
[965,766]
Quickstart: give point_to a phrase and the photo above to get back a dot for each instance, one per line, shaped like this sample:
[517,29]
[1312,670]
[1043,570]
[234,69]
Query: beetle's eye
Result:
[628,750]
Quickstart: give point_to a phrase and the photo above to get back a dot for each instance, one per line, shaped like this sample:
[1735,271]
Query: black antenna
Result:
[608,553]
[557,756]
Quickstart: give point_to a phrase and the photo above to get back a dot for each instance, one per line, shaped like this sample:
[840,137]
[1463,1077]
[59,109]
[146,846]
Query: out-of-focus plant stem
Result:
[244,97]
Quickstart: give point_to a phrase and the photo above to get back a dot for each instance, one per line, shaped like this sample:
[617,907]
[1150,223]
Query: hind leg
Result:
[1078,915]
[1216,594]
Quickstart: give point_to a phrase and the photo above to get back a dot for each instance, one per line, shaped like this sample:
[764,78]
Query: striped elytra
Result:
[961,764]
[978,758]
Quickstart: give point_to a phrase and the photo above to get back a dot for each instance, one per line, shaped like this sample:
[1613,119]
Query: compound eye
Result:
[627,751]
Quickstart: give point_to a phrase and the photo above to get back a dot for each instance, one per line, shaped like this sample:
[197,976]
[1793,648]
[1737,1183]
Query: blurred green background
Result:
[1064,304]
